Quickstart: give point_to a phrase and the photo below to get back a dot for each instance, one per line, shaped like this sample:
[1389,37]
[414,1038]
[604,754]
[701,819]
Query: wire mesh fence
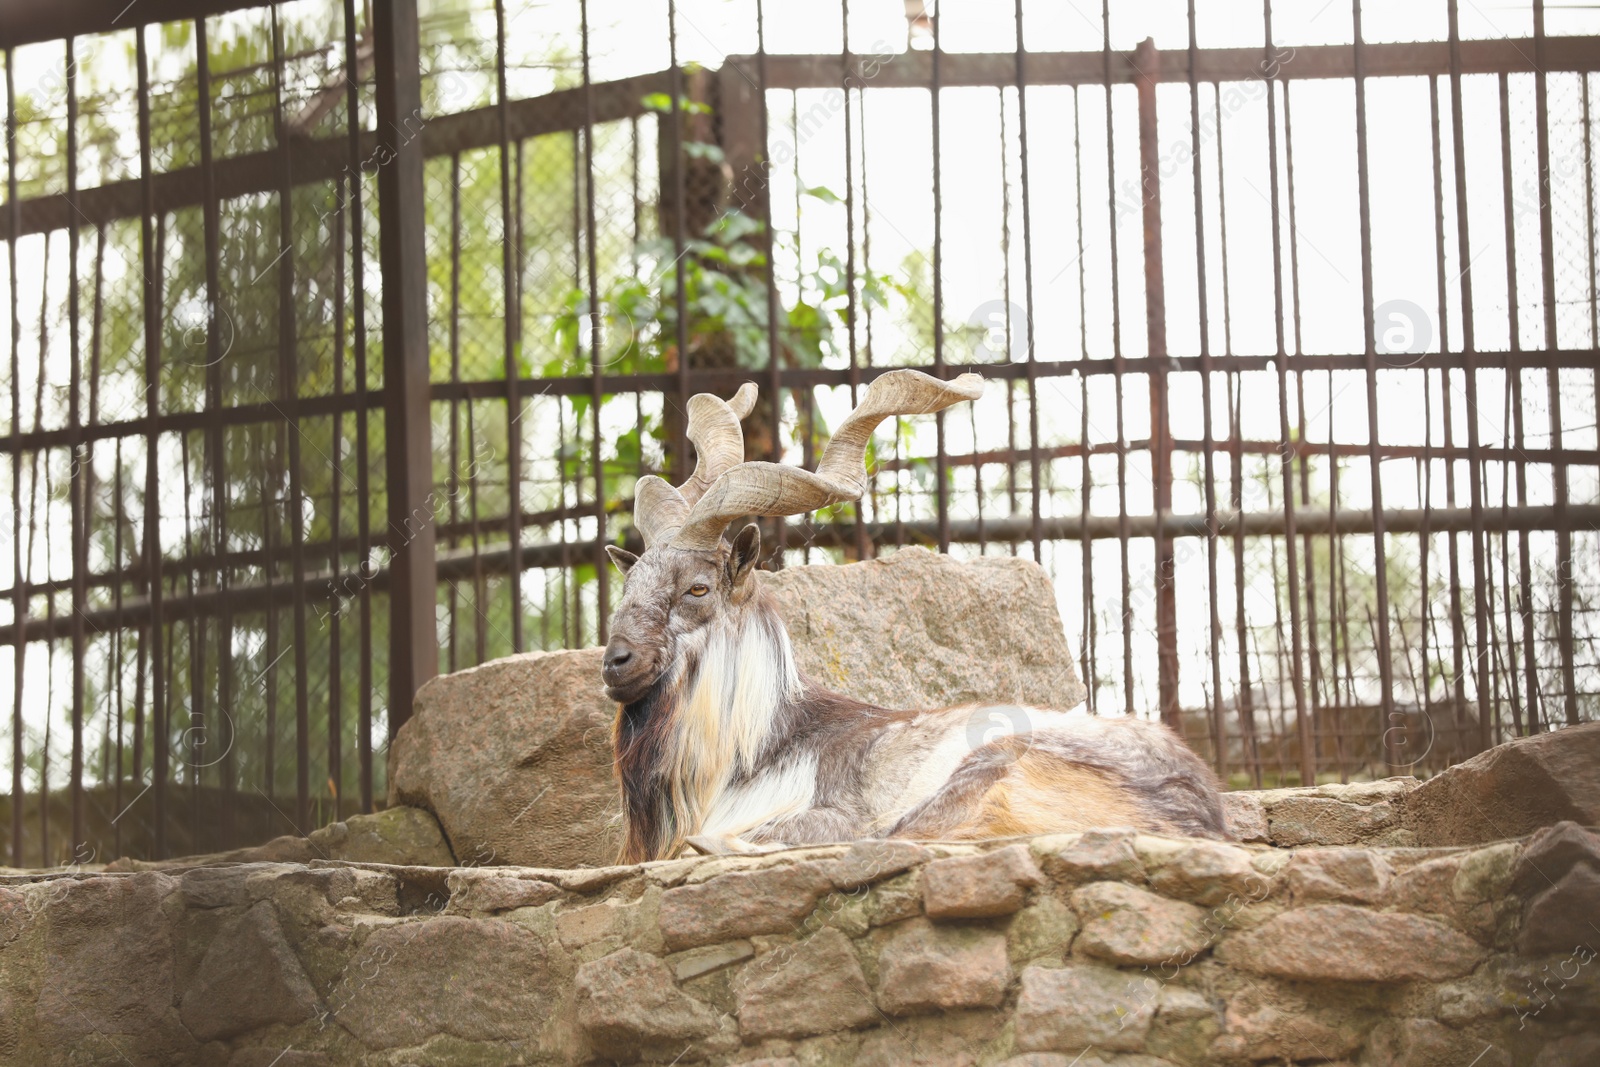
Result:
[337,341]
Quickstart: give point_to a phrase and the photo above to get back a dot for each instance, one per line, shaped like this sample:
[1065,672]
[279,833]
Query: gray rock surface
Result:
[248,979]
[333,962]
[1511,790]
[514,757]
[915,629]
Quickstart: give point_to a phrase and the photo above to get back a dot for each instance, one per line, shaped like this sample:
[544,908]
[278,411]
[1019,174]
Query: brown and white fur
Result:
[720,737]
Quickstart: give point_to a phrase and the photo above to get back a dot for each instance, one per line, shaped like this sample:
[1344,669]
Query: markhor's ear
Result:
[746,550]
[622,558]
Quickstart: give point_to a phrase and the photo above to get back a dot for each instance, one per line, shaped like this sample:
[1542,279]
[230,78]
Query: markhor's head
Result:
[669,597]
[690,577]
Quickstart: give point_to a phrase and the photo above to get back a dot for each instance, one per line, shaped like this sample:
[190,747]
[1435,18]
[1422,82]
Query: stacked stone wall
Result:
[1106,947]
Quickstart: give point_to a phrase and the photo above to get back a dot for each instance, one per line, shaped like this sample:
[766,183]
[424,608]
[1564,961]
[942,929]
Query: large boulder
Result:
[921,630]
[1511,790]
[514,756]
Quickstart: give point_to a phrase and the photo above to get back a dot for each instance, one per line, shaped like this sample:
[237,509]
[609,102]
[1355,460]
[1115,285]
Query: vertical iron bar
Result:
[215,468]
[577,356]
[1308,771]
[679,297]
[941,472]
[289,395]
[849,249]
[1246,703]
[454,334]
[774,366]
[1089,636]
[19,606]
[1005,296]
[335,607]
[116,658]
[150,261]
[358,310]
[75,490]
[1314,685]
[97,322]
[480,587]
[602,572]
[513,330]
[413,641]
[1470,372]
[1119,366]
[1219,728]
[1036,473]
[1379,537]
[1552,342]
[1147,69]
[1514,402]
[1457,627]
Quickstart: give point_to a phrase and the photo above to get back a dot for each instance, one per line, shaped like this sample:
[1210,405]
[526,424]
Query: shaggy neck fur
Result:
[705,726]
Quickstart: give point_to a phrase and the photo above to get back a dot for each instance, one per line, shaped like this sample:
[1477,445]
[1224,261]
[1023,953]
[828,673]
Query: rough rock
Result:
[1096,855]
[473,979]
[333,963]
[874,861]
[1186,1024]
[278,1057]
[1246,816]
[1557,875]
[1356,875]
[1578,1050]
[693,962]
[1511,790]
[1565,916]
[478,890]
[404,836]
[248,978]
[628,1004]
[916,629]
[814,987]
[514,756]
[1426,1043]
[108,953]
[1343,943]
[927,968]
[1126,924]
[1273,1024]
[973,887]
[1044,928]
[1551,853]
[1360,813]
[896,899]
[1209,872]
[1079,1005]
[1426,888]
[959,1039]
[741,903]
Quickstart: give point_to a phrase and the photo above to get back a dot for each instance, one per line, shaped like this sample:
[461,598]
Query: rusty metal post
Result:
[1147,67]
[413,643]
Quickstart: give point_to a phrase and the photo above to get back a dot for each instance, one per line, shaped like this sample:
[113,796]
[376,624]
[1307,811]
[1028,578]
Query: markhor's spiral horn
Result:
[723,489]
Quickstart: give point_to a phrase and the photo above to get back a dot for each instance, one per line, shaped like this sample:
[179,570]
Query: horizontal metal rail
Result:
[726,380]
[322,159]
[914,70]
[325,586]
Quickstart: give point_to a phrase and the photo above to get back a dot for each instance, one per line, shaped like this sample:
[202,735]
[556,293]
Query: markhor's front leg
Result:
[814,826]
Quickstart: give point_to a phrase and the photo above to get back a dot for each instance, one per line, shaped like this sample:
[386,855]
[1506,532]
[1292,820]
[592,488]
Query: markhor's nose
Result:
[618,655]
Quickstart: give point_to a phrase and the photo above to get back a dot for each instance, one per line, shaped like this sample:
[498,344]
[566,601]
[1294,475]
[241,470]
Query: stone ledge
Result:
[1153,951]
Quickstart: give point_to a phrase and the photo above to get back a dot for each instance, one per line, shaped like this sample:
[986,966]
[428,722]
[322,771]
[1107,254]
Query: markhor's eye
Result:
[699,590]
